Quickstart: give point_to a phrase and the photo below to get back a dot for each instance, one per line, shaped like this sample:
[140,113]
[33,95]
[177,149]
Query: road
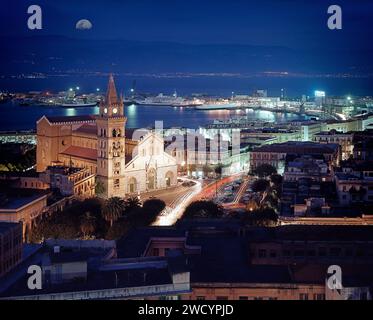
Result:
[209,192]
[176,199]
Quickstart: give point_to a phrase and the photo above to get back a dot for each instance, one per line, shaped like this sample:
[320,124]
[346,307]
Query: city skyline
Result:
[186,150]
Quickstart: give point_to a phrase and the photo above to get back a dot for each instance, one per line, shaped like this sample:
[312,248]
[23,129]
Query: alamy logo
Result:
[35,20]
[334,281]
[335,20]
[34,282]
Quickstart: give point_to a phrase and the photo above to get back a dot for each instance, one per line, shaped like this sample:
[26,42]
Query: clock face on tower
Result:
[105,110]
[115,110]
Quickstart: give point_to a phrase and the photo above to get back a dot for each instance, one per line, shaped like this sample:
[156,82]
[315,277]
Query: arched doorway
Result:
[151,179]
[169,179]
[132,185]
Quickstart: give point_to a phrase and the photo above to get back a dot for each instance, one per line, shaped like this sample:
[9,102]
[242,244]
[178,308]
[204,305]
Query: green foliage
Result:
[113,209]
[68,223]
[99,188]
[88,224]
[17,157]
[260,185]
[265,170]
[218,170]
[262,218]
[203,209]
[276,179]
[91,219]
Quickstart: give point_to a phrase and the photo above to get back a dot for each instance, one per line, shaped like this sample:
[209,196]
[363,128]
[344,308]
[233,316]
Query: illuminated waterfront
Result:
[16,117]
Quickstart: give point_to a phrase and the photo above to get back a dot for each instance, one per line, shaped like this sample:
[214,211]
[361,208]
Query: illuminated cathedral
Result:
[122,165]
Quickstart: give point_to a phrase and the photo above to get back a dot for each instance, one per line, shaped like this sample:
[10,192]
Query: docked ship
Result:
[78,104]
[169,101]
[219,105]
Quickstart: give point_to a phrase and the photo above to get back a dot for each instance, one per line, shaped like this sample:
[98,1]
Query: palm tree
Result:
[113,209]
[88,224]
[132,203]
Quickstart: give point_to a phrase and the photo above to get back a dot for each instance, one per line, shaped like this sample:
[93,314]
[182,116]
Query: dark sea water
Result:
[16,117]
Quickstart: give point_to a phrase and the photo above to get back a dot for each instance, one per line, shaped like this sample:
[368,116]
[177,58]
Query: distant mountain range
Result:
[58,53]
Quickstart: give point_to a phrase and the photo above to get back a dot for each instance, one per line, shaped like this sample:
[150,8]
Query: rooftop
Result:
[312,233]
[70,119]
[297,147]
[15,200]
[80,152]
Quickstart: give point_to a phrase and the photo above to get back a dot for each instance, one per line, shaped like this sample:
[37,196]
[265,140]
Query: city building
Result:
[276,154]
[69,181]
[345,140]
[121,165]
[24,206]
[354,183]
[90,270]
[10,246]
[307,167]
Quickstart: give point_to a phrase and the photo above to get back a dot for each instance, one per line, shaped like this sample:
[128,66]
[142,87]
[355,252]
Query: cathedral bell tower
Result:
[111,145]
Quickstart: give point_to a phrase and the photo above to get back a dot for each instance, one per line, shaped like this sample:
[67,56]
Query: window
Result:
[335,252]
[319,296]
[311,253]
[200,298]
[243,298]
[273,254]
[364,296]
[299,253]
[222,298]
[286,253]
[303,296]
[262,253]
[322,252]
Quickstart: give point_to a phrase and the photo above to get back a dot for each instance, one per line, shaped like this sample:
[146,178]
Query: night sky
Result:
[291,23]
[238,36]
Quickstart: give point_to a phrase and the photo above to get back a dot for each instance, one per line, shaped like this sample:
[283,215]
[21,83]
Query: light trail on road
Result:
[169,216]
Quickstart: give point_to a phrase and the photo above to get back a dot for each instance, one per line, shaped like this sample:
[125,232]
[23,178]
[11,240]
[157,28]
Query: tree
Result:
[88,224]
[218,170]
[207,170]
[270,199]
[262,218]
[132,203]
[203,209]
[276,179]
[113,209]
[252,205]
[260,185]
[151,209]
[265,170]
[99,188]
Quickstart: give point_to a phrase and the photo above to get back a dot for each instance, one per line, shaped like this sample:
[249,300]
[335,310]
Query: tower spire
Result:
[111,94]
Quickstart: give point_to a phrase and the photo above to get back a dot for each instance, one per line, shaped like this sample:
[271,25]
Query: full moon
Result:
[83,24]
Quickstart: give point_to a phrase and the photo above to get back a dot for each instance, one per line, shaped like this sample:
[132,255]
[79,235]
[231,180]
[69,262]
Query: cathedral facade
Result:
[101,143]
